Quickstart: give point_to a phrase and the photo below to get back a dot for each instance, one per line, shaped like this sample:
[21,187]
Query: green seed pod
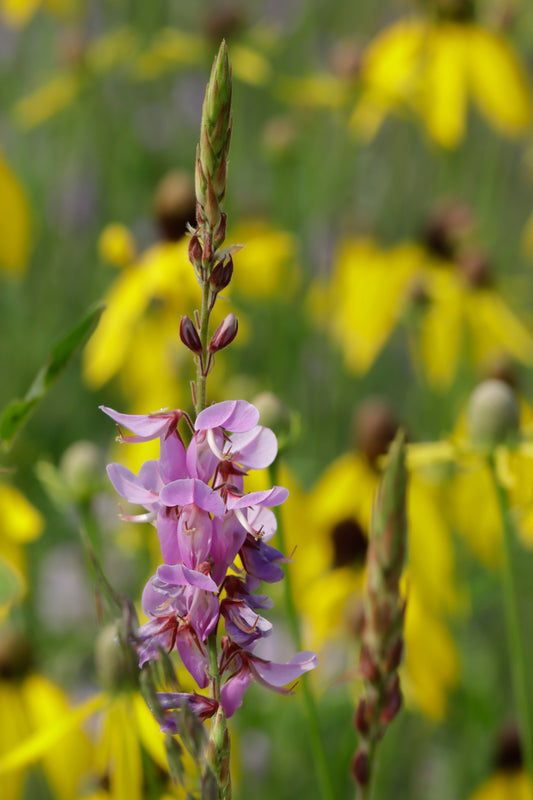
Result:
[493,414]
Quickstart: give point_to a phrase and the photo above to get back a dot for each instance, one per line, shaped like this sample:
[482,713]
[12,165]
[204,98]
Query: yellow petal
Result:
[444,87]
[431,665]
[315,91]
[39,743]
[46,704]
[442,329]
[108,51]
[14,221]
[18,12]
[47,101]
[249,65]
[494,327]
[499,82]
[119,754]
[505,785]
[168,49]
[19,520]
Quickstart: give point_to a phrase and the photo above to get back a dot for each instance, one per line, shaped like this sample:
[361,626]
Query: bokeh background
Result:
[381,178]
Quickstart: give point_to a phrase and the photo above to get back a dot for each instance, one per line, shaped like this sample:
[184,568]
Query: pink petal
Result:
[254,449]
[186,491]
[272,674]
[178,575]
[232,415]
[144,426]
[127,485]
[268,497]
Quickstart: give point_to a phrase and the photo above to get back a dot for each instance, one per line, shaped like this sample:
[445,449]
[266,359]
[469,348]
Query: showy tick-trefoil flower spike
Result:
[382,639]
[215,135]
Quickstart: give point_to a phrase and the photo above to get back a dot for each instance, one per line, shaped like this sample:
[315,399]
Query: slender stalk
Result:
[201,377]
[319,756]
[512,616]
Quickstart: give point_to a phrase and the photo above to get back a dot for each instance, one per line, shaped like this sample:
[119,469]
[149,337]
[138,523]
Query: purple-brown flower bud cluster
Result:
[382,638]
[214,544]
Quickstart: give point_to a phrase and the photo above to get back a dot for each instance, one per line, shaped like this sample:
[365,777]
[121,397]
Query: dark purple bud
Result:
[220,233]
[189,336]
[367,666]
[394,656]
[362,718]
[360,767]
[195,251]
[221,275]
[224,334]
[393,702]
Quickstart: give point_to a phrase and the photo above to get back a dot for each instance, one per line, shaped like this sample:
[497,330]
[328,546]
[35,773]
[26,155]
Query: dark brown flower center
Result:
[349,544]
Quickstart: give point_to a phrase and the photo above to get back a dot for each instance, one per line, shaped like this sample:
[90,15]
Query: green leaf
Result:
[18,411]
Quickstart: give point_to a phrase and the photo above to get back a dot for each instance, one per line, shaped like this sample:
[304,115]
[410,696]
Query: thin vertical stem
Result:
[512,615]
[319,756]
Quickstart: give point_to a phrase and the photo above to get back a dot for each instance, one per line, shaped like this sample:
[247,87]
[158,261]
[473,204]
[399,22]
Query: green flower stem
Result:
[201,377]
[319,756]
[512,614]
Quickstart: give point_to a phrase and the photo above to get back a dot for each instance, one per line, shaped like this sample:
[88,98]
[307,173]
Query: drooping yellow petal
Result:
[505,785]
[365,297]
[46,101]
[118,753]
[14,221]
[14,729]
[499,82]
[431,664]
[442,328]
[38,744]
[116,245]
[390,74]
[50,715]
[431,557]
[443,93]
[494,327]
[267,264]
[473,510]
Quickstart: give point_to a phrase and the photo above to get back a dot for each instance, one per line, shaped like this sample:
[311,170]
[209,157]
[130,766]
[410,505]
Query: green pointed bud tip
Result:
[493,414]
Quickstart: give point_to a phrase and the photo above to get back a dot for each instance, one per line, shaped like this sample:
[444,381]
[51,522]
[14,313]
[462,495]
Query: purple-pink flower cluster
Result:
[195,497]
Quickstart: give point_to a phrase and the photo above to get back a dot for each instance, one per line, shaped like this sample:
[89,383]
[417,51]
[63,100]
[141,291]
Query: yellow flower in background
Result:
[326,529]
[32,707]
[88,61]
[432,69]
[17,13]
[509,779]
[15,233]
[455,308]
[467,493]
[20,523]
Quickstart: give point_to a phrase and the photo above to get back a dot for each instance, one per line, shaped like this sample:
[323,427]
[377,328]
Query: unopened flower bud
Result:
[220,233]
[189,335]
[224,334]
[393,702]
[493,414]
[360,769]
[195,251]
[221,275]
[362,718]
